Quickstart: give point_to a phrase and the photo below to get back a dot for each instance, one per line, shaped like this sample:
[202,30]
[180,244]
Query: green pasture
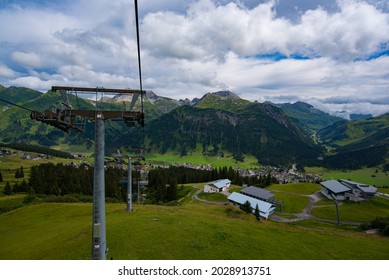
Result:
[299,188]
[383,190]
[9,203]
[234,188]
[197,158]
[363,211]
[291,203]
[218,197]
[370,176]
[367,176]
[191,231]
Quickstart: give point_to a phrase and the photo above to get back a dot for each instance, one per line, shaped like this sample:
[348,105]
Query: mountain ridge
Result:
[218,122]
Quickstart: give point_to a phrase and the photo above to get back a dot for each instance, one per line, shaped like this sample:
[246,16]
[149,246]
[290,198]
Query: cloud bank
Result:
[333,54]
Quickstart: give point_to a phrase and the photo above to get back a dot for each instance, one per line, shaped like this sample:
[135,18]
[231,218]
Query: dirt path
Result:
[196,196]
[306,214]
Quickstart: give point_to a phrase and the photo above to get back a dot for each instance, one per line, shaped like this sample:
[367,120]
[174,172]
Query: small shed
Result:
[217,186]
[265,208]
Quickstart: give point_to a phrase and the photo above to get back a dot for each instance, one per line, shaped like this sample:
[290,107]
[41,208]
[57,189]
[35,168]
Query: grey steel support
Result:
[129,186]
[138,191]
[99,244]
[337,212]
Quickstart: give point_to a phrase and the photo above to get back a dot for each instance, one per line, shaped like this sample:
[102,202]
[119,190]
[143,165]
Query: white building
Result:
[265,208]
[217,186]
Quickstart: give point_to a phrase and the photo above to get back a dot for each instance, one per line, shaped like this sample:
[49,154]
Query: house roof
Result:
[220,183]
[258,192]
[264,207]
[363,187]
[335,186]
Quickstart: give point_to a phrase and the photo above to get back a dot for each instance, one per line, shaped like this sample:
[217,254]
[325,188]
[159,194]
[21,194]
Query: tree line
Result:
[163,182]
[37,149]
[61,180]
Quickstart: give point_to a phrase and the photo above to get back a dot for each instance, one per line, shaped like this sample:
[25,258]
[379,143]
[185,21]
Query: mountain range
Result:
[218,123]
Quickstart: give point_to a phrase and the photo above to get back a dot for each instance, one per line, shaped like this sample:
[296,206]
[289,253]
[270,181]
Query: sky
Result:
[333,54]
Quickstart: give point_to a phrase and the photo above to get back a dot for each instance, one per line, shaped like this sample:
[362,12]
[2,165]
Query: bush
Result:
[234,212]
[382,224]
[31,198]
[385,231]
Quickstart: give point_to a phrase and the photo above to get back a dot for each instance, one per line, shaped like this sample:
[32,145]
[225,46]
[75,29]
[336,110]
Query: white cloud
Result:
[29,60]
[6,72]
[191,47]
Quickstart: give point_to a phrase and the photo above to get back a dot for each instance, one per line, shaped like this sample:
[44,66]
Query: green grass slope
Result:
[191,231]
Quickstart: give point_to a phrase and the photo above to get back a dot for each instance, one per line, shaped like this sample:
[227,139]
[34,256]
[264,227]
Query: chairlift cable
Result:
[139,68]
[14,104]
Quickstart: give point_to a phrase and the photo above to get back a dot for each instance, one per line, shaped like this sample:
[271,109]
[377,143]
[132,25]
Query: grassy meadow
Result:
[363,211]
[198,158]
[191,231]
[371,176]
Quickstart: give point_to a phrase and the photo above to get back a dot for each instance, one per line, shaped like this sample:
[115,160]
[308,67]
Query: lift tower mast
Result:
[66,119]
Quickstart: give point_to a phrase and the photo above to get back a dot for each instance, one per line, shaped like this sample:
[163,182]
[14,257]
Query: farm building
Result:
[259,193]
[265,208]
[360,190]
[347,190]
[333,189]
[217,186]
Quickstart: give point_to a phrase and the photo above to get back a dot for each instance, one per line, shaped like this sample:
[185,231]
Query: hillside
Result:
[190,232]
[357,143]
[219,122]
[222,100]
[345,132]
[261,130]
[307,116]
[17,95]
[154,105]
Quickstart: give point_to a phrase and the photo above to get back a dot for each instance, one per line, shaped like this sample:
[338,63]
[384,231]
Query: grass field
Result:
[300,188]
[363,211]
[287,193]
[218,197]
[370,176]
[197,158]
[191,231]
[291,203]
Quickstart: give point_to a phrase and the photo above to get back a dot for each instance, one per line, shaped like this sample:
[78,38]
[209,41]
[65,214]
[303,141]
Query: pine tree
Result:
[17,173]
[7,189]
[246,207]
[23,186]
[171,193]
[16,188]
[256,213]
